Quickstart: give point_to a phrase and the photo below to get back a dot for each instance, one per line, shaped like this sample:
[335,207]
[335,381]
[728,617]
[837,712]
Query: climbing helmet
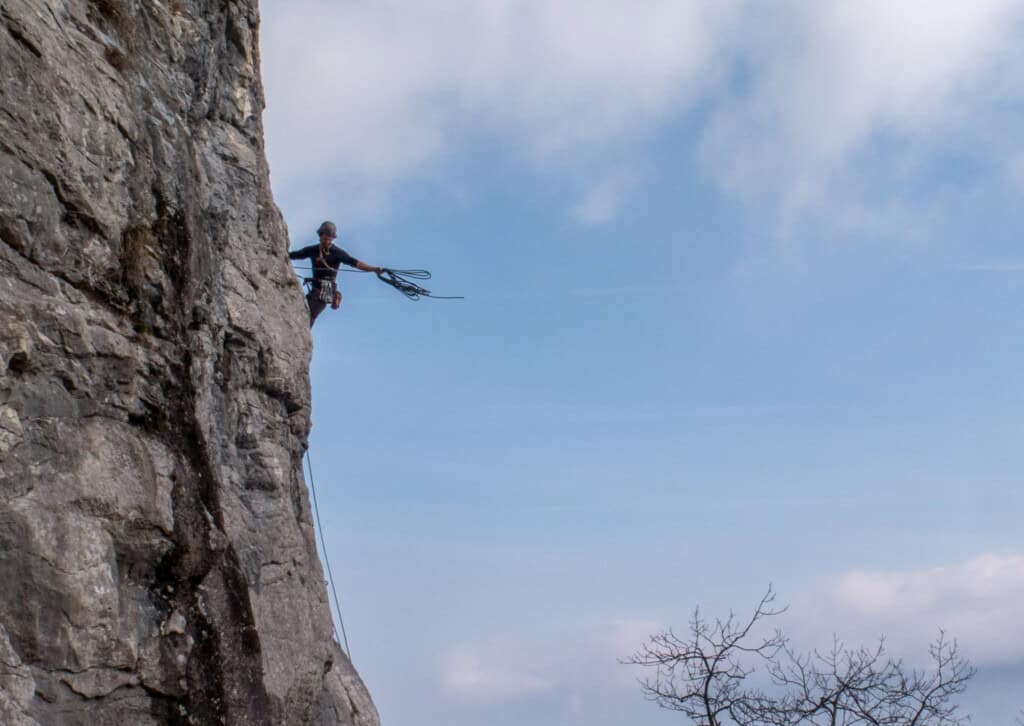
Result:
[328,228]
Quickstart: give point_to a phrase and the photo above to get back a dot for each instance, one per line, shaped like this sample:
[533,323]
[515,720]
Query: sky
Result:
[743,288]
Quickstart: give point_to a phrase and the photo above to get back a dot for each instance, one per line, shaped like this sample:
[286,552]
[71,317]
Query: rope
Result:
[402,280]
[329,269]
[327,561]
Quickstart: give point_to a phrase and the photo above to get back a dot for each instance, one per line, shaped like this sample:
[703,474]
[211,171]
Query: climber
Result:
[326,260]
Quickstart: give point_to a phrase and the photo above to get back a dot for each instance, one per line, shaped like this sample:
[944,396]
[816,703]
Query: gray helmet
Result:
[328,228]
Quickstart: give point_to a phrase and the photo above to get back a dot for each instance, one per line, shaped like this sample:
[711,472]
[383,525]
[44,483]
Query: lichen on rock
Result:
[157,553]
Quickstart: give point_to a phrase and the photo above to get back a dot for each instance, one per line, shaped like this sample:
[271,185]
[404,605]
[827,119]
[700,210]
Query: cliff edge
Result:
[157,555]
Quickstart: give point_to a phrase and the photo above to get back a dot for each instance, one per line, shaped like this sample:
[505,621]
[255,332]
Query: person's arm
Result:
[365,267]
[303,254]
[358,264]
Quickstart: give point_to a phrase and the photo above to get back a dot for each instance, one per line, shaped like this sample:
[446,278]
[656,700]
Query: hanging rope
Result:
[402,280]
[327,561]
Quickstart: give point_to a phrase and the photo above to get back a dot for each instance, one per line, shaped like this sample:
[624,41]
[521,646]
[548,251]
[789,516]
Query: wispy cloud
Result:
[977,601]
[484,674]
[828,108]
[575,670]
[826,80]
[603,199]
[572,667]
[994,267]
[371,94]
[582,292]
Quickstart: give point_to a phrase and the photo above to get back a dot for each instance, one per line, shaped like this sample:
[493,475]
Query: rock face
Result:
[157,558]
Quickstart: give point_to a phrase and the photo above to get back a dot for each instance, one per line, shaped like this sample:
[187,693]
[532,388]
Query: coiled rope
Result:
[402,280]
[327,561]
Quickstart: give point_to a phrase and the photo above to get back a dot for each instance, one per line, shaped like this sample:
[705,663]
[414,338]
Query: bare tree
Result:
[707,676]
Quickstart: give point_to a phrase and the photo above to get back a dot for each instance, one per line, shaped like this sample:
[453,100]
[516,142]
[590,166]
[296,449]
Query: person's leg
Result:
[316,306]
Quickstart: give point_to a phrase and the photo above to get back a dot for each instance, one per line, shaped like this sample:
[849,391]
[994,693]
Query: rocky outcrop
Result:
[157,559]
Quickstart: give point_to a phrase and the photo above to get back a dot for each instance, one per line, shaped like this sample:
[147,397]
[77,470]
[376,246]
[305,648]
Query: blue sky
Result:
[743,297]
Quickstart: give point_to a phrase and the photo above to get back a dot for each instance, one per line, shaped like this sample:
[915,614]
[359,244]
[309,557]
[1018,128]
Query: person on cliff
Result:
[327,258]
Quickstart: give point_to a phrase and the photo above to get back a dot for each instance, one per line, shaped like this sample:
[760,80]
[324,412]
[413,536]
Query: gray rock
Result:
[157,555]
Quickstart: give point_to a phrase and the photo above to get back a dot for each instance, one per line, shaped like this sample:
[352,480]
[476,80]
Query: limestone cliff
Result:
[157,559]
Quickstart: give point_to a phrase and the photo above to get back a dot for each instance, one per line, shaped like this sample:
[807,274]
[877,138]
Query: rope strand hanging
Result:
[327,561]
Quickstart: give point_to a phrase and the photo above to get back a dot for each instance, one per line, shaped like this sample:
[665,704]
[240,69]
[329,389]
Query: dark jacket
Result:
[325,267]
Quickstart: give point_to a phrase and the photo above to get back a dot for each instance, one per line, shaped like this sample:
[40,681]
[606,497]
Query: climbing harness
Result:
[324,290]
[327,562]
[402,280]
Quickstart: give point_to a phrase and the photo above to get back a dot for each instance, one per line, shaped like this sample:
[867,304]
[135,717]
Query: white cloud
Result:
[978,602]
[363,96]
[576,672]
[379,92]
[571,668]
[486,675]
[827,79]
